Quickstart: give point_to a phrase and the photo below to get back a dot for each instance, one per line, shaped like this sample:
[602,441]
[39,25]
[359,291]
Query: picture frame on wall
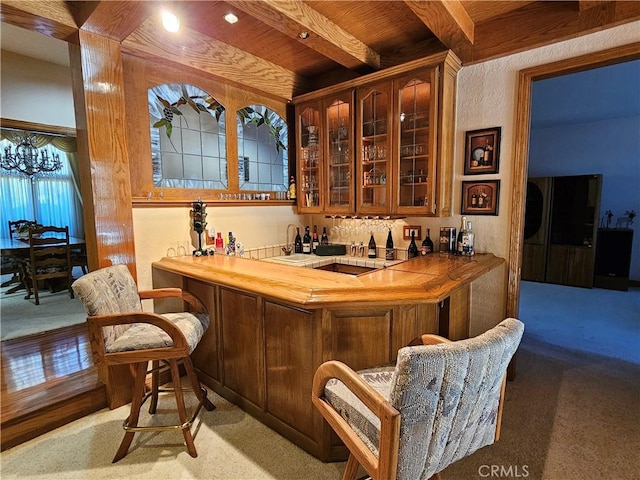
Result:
[482,151]
[480,198]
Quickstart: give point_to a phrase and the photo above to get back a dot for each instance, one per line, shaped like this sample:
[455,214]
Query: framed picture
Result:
[480,198]
[482,151]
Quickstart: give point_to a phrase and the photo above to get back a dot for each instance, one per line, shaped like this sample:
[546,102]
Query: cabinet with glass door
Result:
[338,193]
[310,157]
[416,147]
[373,135]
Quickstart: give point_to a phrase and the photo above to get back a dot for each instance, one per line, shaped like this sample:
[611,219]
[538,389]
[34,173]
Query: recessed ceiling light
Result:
[303,35]
[170,22]
[231,18]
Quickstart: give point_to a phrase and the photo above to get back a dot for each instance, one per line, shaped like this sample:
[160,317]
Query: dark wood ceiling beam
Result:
[195,50]
[448,21]
[113,19]
[52,18]
[293,17]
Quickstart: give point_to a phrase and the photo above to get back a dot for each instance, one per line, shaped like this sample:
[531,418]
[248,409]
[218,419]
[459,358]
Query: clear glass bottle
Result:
[468,241]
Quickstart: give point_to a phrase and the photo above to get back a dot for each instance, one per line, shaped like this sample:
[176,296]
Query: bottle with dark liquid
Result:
[306,241]
[315,241]
[324,239]
[298,242]
[427,244]
[389,252]
[371,251]
[412,251]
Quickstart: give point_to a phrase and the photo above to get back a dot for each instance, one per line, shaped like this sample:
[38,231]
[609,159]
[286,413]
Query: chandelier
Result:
[27,159]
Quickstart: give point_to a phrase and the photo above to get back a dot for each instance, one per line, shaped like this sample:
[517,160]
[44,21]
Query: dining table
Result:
[19,247]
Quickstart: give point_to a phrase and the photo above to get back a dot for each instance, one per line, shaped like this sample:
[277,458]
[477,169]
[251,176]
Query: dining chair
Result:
[122,334]
[49,259]
[11,264]
[440,402]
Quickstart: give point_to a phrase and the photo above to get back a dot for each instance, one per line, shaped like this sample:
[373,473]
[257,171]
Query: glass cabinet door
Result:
[374,155]
[310,159]
[415,169]
[339,196]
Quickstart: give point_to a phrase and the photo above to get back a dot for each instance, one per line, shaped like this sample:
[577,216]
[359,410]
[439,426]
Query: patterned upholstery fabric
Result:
[447,396]
[112,290]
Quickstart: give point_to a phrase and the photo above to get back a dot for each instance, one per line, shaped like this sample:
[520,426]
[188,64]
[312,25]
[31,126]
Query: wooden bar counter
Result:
[272,325]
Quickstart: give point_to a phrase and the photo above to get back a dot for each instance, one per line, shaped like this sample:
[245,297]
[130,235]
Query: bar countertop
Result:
[426,279]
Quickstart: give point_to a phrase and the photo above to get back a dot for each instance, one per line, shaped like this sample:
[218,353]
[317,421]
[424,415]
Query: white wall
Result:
[36,91]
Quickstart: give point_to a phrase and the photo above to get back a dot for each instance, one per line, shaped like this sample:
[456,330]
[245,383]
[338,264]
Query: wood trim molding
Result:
[521,146]
[37,127]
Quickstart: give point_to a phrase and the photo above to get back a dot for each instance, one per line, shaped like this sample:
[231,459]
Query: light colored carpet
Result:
[20,317]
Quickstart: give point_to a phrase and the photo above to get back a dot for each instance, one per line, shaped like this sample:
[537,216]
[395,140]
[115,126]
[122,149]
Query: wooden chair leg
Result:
[351,470]
[136,403]
[155,385]
[195,384]
[182,411]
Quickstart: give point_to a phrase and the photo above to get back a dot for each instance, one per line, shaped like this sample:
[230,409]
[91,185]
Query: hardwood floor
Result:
[48,380]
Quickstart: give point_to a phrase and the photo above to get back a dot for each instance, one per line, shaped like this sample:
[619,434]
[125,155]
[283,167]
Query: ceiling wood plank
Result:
[206,54]
[52,18]
[115,19]
[325,37]
[449,22]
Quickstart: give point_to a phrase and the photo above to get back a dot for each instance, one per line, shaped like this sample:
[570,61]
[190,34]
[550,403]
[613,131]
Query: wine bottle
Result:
[316,241]
[371,251]
[324,240]
[389,252]
[468,241]
[427,244]
[459,243]
[298,241]
[412,251]
[306,241]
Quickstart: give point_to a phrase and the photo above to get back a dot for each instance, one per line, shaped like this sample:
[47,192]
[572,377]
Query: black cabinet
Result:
[613,258]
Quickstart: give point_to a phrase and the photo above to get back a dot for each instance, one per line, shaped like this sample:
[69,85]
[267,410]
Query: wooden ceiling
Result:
[346,38]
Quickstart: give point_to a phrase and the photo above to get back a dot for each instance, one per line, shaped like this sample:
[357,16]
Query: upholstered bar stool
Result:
[121,333]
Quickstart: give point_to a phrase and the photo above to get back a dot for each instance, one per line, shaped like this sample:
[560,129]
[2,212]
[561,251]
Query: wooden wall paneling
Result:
[360,338]
[206,355]
[243,344]
[289,362]
[459,313]
[98,90]
[534,262]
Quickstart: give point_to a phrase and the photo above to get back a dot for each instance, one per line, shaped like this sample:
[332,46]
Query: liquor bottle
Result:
[459,243]
[389,251]
[316,240]
[219,243]
[324,239]
[297,245]
[292,189]
[371,251]
[468,241]
[306,241]
[412,251]
[231,244]
[427,244]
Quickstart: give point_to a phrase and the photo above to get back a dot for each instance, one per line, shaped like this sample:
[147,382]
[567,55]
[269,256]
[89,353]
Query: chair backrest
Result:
[49,253]
[448,396]
[109,290]
[16,227]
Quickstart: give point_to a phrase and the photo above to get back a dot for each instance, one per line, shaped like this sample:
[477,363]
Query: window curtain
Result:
[51,198]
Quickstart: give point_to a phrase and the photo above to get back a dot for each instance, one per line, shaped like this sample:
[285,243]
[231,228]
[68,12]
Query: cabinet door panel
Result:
[242,344]
[374,149]
[310,158]
[416,147]
[289,365]
[338,144]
